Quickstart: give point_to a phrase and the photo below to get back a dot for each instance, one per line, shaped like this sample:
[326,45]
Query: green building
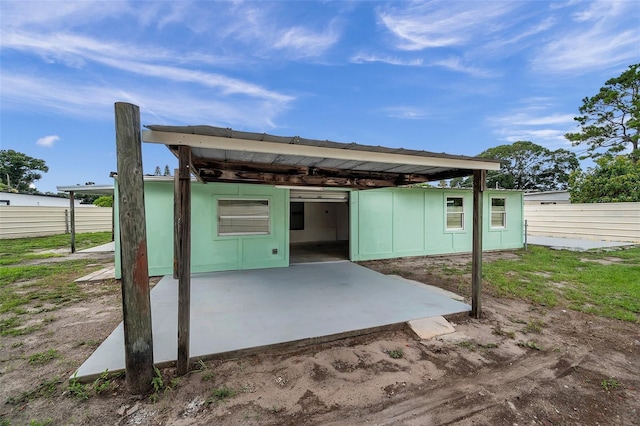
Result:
[247,226]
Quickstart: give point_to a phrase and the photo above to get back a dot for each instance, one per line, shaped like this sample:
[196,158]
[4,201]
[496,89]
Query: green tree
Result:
[612,180]
[527,166]
[157,171]
[167,171]
[104,201]
[610,120]
[19,171]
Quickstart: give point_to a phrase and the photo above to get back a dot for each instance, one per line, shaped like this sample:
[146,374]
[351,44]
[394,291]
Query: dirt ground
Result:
[520,364]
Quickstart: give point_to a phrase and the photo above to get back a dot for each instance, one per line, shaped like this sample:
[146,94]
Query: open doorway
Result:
[319,226]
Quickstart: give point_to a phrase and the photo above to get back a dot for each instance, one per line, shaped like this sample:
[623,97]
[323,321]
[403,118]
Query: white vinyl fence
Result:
[601,221]
[36,221]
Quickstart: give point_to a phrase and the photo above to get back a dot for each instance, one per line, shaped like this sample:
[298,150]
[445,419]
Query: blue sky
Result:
[443,76]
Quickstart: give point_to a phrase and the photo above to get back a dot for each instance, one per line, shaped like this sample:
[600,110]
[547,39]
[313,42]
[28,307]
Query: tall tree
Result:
[19,171]
[157,171]
[167,171]
[610,120]
[527,166]
[613,179]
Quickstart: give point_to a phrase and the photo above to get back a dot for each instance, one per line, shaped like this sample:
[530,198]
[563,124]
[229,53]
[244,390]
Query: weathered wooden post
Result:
[136,304]
[72,211]
[184,258]
[479,186]
[176,217]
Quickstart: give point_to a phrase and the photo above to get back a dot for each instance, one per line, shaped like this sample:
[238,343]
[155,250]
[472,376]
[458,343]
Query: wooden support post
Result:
[184,258]
[136,304]
[479,186]
[113,220]
[72,213]
[176,217]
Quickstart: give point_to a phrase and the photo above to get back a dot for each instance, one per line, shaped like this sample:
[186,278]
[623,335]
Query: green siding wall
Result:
[210,252]
[384,223]
[397,222]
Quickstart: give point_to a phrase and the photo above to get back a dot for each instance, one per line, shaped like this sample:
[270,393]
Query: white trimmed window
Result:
[243,217]
[498,213]
[455,213]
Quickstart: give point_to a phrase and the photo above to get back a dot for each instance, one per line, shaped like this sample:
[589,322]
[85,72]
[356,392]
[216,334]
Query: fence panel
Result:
[37,221]
[598,221]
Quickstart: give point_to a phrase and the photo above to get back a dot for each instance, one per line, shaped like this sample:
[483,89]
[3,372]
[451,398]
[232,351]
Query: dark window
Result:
[296,222]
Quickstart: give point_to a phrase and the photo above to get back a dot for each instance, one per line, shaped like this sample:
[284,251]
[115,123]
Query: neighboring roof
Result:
[562,191]
[222,154]
[87,189]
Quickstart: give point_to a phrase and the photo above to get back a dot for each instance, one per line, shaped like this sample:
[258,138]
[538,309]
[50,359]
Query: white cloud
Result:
[534,124]
[456,64]
[302,42]
[405,113]
[86,99]
[48,141]
[79,51]
[361,58]
[442,24]
[605,34]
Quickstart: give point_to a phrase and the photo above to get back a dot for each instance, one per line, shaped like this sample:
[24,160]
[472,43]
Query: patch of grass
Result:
[467,344]
[41,358]
[159,385]
[396,353]
[40,284]
[16,250]
[533,326]
[208,375]
[77,389]
[90,342]
[610,384]
[46,389]
[472,346]
[219,395]
[530,345]
[22,284]
[498,331]
[46,422]
[609,290]
[102,383]
[276,409]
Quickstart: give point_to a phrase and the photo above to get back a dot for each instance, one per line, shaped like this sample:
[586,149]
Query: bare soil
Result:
[520,364]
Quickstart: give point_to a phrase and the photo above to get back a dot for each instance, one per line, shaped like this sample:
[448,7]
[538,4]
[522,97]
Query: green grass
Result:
[46,389]
[558,277]
[34,288]
[25,246]
[41,358]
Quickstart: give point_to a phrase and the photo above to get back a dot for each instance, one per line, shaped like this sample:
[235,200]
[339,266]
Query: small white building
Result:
[547,197]
[31,200]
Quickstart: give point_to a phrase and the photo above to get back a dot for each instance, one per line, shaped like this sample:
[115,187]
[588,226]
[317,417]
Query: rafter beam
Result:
[210,170]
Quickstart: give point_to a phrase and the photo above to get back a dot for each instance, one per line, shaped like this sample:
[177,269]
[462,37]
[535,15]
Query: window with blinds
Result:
[243,217]
[455,213]
[498,213]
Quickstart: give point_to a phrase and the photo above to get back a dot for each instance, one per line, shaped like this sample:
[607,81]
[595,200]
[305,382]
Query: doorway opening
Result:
[318,226]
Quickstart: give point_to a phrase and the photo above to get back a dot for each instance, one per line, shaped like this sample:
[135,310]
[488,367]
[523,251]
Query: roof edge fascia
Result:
[262,147]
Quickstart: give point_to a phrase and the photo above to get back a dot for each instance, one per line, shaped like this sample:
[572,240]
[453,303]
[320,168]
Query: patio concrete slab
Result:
[574,244]
[103,274]
[442,291]
[242,310]
[108,247]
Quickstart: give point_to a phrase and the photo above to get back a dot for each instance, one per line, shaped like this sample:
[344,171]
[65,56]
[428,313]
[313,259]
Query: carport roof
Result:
[227,155]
